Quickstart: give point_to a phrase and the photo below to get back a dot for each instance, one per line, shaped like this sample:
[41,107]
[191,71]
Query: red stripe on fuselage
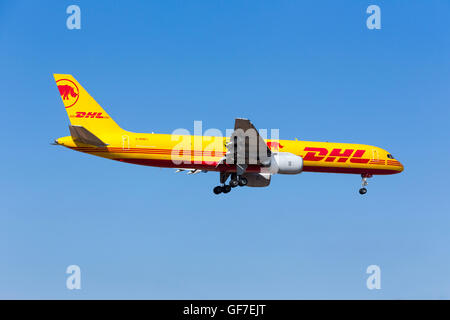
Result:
[212,166]
[252,168]
[203,165]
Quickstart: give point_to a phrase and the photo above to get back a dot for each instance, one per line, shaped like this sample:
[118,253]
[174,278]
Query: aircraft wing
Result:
[81,134]
[246,147]
[190,171]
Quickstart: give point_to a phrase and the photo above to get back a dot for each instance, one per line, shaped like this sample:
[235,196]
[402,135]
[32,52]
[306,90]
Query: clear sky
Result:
[311,69]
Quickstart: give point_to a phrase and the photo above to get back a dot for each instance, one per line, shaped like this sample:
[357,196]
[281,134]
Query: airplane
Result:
[246,158]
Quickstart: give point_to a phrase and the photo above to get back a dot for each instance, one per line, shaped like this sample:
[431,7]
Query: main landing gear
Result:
[364,183]
[219,189]
[235,181]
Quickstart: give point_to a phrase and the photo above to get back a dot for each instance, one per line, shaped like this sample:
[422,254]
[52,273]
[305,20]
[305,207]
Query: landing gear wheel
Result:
[243,181]
[218,190]
[234,183]
[364,182]
[226,188]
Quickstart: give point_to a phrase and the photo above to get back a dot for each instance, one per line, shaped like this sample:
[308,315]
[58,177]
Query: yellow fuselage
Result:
[202,152]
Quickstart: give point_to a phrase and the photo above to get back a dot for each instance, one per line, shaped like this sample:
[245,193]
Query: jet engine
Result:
[285,163]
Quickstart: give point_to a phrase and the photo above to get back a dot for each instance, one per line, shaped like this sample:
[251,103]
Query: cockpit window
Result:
[390,156]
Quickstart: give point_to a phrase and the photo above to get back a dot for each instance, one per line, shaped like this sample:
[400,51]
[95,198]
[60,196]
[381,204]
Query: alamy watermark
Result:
[74,20]
[73,281]
[374,280]
[374,20]
[240,146]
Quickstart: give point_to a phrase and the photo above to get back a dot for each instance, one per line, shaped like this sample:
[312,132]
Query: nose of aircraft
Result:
[401,167]
[397,165]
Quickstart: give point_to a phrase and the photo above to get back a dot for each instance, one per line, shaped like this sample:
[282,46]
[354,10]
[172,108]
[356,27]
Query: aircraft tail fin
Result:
[83,110]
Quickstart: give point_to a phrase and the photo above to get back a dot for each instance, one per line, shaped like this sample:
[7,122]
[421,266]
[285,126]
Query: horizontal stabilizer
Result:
[81,134]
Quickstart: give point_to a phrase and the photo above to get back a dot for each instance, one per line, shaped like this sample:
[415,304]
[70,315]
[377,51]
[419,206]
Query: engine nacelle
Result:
[285,163]
[257,179]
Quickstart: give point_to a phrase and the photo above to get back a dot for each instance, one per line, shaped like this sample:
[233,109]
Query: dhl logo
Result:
[318,154]
[81,114]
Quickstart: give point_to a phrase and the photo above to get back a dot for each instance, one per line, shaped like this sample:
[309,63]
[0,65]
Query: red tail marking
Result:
[66,90]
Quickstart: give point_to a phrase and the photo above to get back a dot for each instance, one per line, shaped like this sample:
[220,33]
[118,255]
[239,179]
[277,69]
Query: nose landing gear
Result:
[364,183]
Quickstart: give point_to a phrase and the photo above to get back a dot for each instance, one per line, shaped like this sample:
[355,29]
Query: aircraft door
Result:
[375,154]
[125,142]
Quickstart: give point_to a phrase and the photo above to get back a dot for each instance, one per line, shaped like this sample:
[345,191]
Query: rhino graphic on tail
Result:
[66,90]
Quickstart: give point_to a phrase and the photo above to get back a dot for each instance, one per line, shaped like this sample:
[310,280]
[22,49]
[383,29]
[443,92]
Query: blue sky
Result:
[311,69]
